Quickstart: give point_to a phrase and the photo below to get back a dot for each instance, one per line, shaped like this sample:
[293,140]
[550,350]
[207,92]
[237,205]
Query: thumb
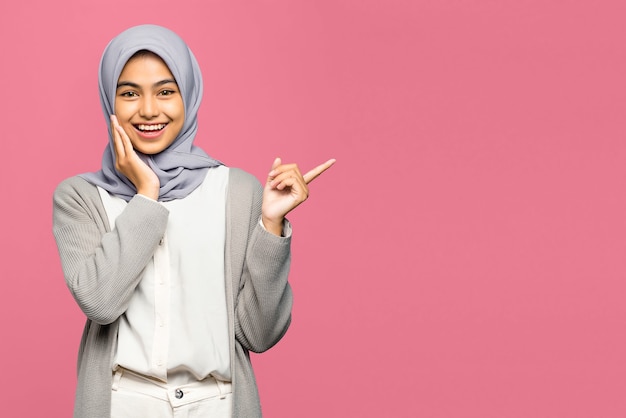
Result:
[275,164]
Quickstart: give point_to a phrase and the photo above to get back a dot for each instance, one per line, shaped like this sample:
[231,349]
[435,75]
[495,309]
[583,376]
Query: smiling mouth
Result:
[150,128]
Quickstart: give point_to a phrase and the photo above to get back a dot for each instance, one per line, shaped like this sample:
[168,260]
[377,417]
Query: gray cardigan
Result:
[102,268]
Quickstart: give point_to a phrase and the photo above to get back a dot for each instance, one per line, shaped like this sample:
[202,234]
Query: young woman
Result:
[179,263]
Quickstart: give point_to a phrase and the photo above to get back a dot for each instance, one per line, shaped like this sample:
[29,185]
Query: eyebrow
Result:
[137,86]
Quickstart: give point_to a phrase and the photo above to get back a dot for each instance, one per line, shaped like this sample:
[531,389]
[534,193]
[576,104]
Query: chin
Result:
[150,149]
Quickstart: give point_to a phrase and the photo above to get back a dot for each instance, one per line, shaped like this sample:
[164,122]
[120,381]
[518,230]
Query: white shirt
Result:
[176,326]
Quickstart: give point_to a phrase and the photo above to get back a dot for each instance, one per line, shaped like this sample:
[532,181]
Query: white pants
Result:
[135,396]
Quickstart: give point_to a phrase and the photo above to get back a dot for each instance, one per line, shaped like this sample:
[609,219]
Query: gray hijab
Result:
[182,166]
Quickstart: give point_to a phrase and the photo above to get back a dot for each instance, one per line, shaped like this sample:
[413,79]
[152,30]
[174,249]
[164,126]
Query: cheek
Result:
[121,109]
[177,111]
[177,128]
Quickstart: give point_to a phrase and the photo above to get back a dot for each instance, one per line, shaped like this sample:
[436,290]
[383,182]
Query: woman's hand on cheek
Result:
[284,190]
[130,165]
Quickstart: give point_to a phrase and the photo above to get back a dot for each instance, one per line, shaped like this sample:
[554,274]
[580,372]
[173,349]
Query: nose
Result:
[149,107]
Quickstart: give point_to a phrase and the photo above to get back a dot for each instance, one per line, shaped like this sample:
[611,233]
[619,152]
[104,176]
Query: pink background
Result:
[464,258]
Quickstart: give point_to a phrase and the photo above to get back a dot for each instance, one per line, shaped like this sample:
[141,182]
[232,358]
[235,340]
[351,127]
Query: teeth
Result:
[151,127]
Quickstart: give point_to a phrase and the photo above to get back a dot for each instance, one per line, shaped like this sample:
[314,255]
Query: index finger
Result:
[118,145]
[312,175]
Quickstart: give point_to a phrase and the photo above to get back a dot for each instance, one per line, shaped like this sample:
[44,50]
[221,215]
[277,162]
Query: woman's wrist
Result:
[273,226]
[151,192]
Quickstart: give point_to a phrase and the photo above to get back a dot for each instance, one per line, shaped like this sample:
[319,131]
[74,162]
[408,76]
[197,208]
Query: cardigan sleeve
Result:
[103,268]
[264,301]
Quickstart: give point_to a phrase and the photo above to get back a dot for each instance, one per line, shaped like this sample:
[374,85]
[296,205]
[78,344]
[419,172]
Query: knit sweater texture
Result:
[103,267]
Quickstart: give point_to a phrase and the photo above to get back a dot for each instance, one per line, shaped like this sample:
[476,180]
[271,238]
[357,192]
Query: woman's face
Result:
[148,104]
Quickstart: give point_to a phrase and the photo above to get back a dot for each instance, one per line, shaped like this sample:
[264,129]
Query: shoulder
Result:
[241,178]
[75,187]
[242,183]
[245,193]
[74,195]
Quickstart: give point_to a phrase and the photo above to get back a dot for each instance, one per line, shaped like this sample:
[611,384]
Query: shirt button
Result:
[161,241]
[178,394]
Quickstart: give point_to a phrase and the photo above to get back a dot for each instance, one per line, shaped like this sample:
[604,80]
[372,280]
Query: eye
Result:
[167,92]
[129,94]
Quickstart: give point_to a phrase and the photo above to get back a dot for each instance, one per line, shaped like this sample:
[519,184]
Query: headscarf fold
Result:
[181,167]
